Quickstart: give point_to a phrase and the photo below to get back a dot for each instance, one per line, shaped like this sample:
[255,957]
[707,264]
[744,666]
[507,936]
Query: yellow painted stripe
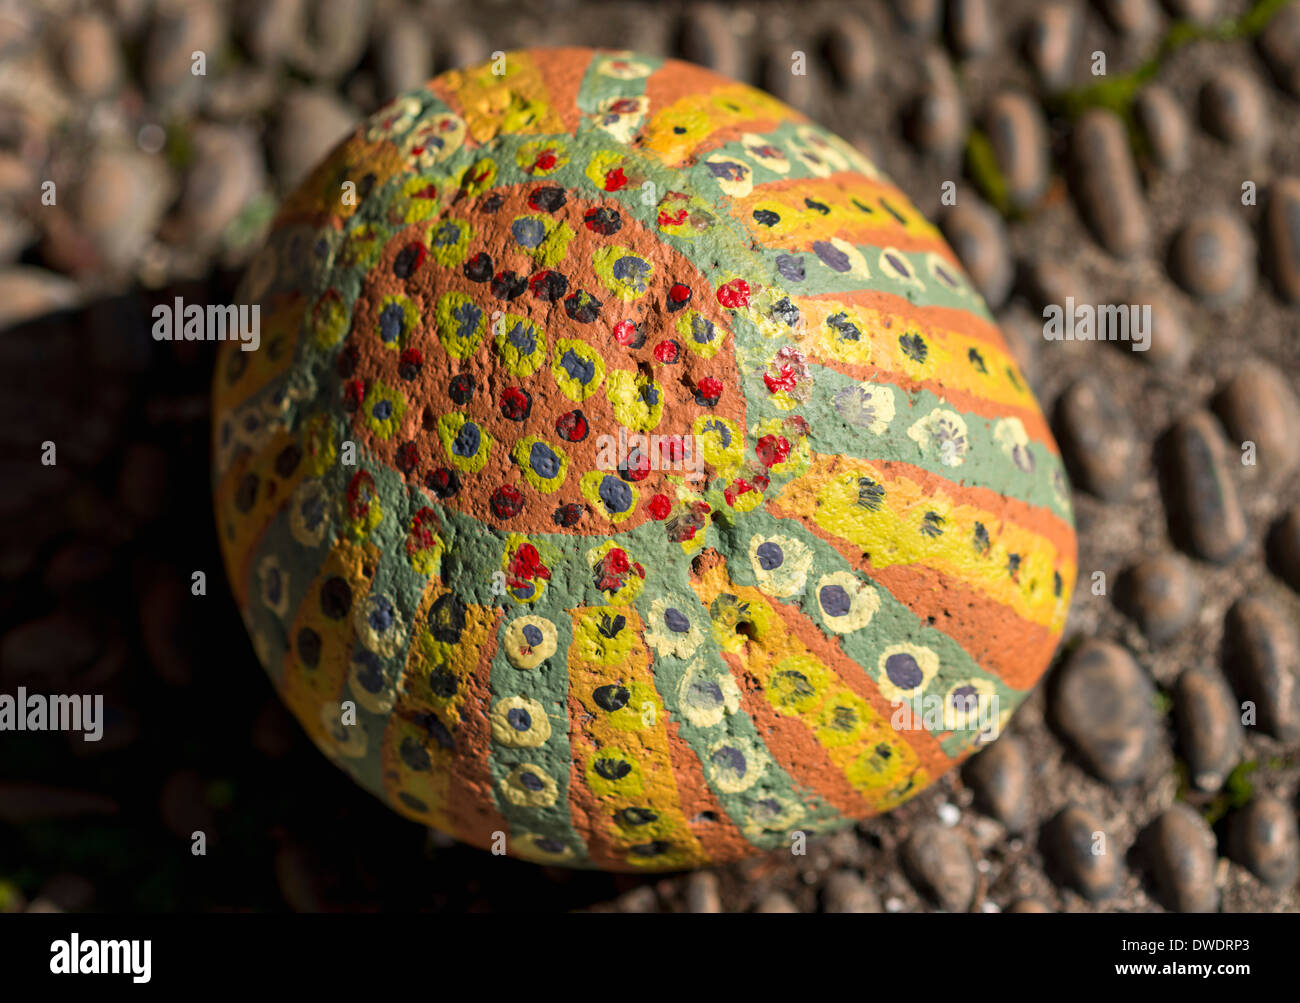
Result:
[828,495]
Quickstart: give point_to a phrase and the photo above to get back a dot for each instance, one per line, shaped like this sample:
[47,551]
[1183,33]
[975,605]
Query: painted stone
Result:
[628,474]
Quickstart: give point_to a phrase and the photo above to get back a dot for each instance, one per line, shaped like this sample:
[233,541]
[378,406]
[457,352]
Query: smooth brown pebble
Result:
[999,776]
[1262,659]
[1205,514]
[1094,431]
[1017,132]
[1262,837]
[846,892]
[1183,861]
[1257,406]
[1162,594]
[938,863]
[1165,127]
[1213,258]
[1080,851]
[1105,183]
[1284,547]
[1101,702]
[979,237]
[1232,108]
[1281,250]
[1279,44]
[1049,42]
[1208,722]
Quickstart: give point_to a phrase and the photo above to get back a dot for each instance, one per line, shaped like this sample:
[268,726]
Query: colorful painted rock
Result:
[628,475]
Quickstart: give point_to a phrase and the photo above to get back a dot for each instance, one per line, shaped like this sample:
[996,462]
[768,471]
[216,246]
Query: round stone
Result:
[1284,547]
[1183,860]
[1213,258]
[1257,406]
[1102,704]
[979,237]
[1281,250]
[1279,44]
[1205,515]
[1232,108]
[1262,659]
[1209,726]
[1095,432]
[1164,125]
[617,388]
[1017,132]
[1262,837]
[1105,183]
[1162,594]
[1079,851]
[1049,41]
[999,776]
[938,862]
[971,27]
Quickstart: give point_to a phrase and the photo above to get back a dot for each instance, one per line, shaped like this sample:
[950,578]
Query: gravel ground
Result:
[1126,783]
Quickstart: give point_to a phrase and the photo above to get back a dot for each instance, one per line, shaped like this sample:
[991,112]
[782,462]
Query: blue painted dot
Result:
[528,232]
[382,615]
[616,495]
[392,322]
[543,460]
[903,671]
[731,759]
[676,621]
[522,337]
[382,410]
[770,556]
[467,440]
[579,369]
[532,634]
[835,601]
[519,719]
[532,781]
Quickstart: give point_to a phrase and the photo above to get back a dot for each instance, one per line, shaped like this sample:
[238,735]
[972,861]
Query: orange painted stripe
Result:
[563,70]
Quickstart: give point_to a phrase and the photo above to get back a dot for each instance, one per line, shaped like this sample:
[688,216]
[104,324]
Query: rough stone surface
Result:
[551,634]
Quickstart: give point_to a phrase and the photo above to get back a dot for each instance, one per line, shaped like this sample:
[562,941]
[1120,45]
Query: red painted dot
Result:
[667,352]
[785,381]
[615,180]
[679,293]
[773,449]
[710,387]
[408,455]
[624,332]
[734,294]
[660,506]
[506,502]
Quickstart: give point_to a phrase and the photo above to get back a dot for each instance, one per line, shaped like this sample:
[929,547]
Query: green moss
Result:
[1237,791]
[1117,93]
[982,166]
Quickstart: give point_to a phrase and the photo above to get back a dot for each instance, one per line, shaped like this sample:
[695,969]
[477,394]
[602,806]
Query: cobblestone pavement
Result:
[1173,180]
